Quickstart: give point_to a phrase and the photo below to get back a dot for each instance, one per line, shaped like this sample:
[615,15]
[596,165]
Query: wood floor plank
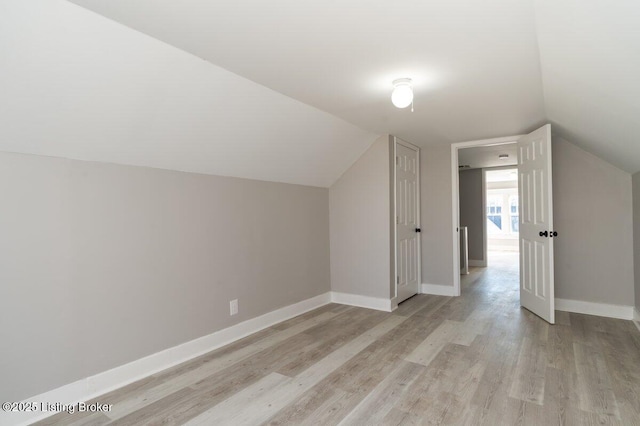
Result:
[462,371]
[496,381]
[529,375]
[583,329]
[356,377]
[164,411]
[433,344]
[331,339]
[238,408]
[382,399]
[620,356]
[260,408]
[397,417]
[594,383]
[330,411]
[477,323]
[561,403]
[75,419]
[560,348]
[446,387]
[306,405]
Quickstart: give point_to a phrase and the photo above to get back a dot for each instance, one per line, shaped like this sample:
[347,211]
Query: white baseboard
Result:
[478,263]
[377,303]
[94,386]
[438,290]
[394,303]
[599,309]
[636,317]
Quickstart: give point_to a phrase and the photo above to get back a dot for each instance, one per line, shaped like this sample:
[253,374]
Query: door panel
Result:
[407,196]
[536,218]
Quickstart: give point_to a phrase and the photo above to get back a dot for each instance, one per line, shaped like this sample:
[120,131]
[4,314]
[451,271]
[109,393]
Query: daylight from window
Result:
[502,209]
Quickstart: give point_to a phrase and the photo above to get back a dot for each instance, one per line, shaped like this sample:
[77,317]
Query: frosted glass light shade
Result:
[402,95]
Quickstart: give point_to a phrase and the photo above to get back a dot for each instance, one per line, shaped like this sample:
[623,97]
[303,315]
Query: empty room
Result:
[319,213]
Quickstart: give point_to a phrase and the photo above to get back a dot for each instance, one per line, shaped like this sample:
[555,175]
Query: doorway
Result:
[488,210]
[535,216]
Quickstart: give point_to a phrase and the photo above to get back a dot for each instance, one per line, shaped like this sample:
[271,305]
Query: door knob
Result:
[418,230]
[553,234]
[544,234]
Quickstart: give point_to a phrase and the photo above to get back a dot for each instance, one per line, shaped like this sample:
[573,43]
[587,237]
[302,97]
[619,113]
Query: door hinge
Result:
[398,279]
[397,160]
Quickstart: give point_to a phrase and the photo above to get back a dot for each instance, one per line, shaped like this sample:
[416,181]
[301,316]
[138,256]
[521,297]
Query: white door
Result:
[536,223]
[407,209]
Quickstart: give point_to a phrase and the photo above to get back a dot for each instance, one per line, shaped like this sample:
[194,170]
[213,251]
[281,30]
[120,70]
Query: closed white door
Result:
[407,210]
[536,223]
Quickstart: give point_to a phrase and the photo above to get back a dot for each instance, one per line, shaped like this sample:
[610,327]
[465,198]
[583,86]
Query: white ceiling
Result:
[590,55]
[475,63]
[295,91]
[77,85]
[482,69]
[487,156]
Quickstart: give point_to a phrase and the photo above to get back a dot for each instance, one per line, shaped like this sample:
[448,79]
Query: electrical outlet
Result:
[233,307]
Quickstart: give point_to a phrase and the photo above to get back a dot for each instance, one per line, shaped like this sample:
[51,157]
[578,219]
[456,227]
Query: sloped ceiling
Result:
[295,91]
[590,56]
[77,85]
[481,68]
[475,63]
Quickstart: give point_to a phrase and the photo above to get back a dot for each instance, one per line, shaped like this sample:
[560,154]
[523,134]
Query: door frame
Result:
[455,197]
[397,141]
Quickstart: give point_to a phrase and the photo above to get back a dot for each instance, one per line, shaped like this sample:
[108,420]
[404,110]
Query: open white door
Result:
[536,223]
[407,209]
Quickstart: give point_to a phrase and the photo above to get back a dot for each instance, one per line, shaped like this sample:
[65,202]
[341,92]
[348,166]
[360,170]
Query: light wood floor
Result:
[475,359]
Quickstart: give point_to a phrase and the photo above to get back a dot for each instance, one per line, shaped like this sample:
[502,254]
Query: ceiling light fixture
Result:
[503,156]
[402,95]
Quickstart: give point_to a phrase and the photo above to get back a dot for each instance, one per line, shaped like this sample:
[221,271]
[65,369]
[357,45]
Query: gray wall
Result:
[360,225]
[103,264]
[436,212]
[592,213]
[636,236]
[471,212]
[592,209]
